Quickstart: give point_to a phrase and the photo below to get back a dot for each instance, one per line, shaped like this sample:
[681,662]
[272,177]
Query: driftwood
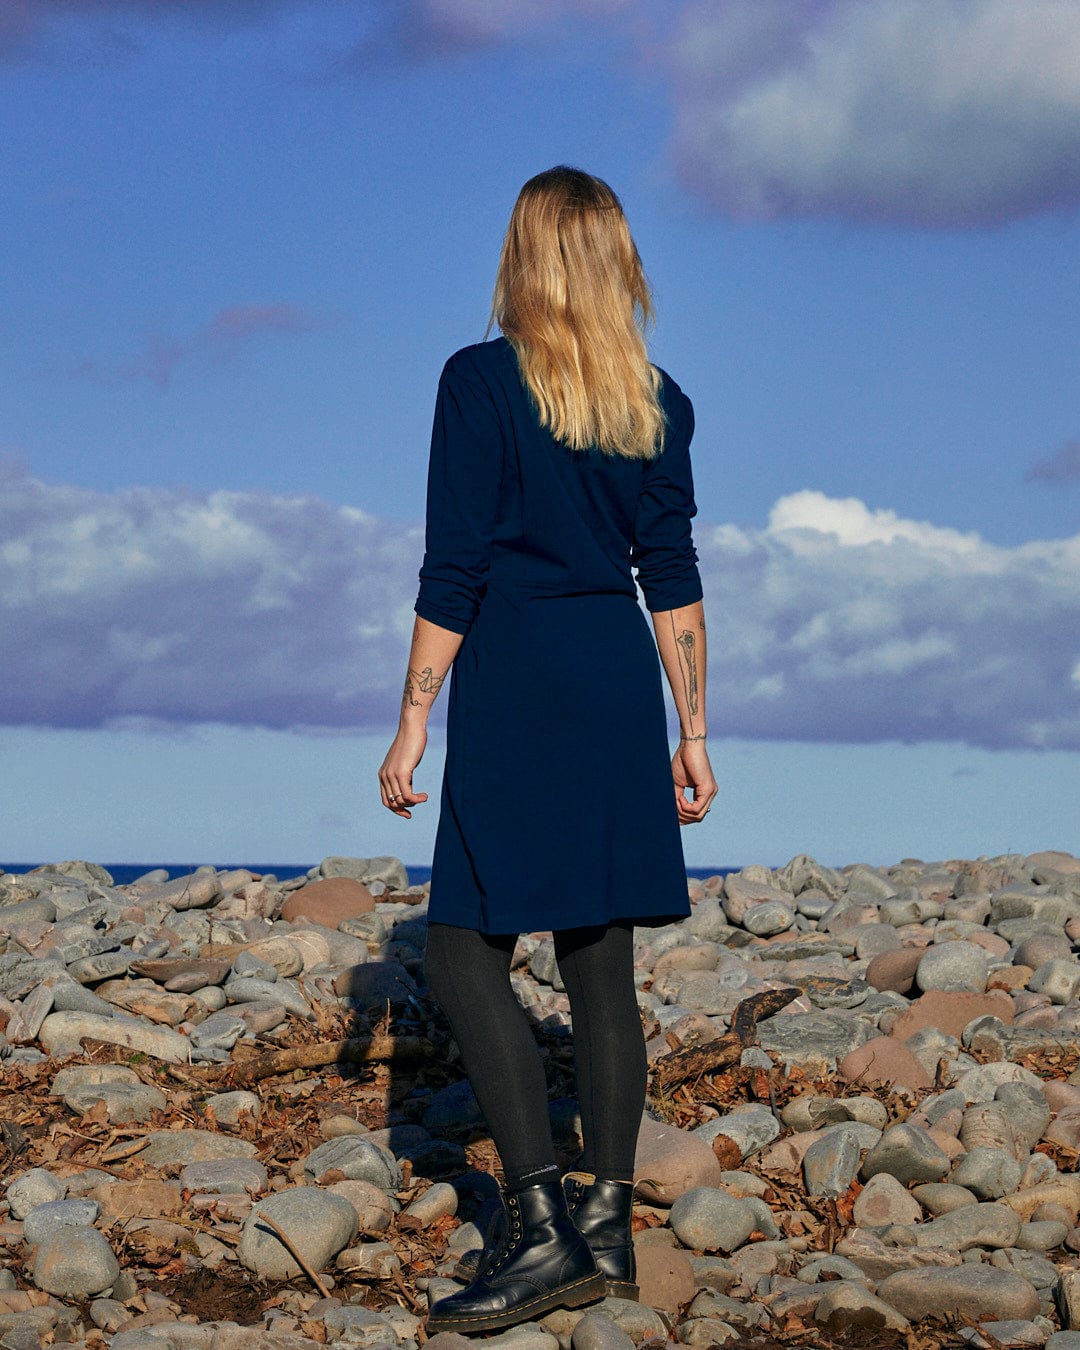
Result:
[670,1070]
[362,1050]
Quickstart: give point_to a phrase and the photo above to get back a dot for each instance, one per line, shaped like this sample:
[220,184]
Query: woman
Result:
[559,461]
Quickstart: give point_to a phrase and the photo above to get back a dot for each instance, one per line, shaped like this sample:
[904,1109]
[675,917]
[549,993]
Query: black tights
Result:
[469,974]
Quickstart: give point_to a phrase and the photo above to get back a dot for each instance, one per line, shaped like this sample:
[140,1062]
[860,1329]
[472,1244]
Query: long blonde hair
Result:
[572,299]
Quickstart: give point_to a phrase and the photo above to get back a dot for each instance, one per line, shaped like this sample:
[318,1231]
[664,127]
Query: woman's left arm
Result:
[430,658]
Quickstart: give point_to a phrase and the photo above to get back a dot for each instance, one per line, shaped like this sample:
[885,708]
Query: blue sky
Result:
[241,237]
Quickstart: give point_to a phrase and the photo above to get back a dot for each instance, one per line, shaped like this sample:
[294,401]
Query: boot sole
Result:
[623,1289]
[573,1295]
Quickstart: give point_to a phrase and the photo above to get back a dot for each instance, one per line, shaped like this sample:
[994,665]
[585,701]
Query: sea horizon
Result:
[123,874]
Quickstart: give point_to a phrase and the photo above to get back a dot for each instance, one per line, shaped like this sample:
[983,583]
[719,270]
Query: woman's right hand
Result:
[690,768]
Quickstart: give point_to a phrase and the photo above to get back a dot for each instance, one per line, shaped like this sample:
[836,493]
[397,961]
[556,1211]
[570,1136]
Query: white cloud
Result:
[908,111]
[835,622]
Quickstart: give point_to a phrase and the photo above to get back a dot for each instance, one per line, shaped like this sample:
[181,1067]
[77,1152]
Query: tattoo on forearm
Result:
[426,681]
[687,644]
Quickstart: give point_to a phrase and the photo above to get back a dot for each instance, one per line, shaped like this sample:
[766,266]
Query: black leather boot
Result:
[602,1211]
[544,1263]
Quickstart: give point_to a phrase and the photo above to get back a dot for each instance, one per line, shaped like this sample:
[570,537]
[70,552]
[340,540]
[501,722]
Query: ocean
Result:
[123,873]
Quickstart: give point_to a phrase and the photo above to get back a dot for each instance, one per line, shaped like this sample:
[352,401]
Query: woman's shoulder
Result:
[485,362]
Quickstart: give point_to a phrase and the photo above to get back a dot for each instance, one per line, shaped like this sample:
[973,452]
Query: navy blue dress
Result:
[557,808]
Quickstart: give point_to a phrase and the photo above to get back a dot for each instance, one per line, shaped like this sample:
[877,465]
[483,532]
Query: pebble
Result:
[45,1220]
[74,1263]
[319,1223]
[971,1291]
[708,1220]
[33,1188]
[357,1158]
[908,1153]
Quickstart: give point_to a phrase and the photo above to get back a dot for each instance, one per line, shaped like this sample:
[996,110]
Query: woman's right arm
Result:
[666,561]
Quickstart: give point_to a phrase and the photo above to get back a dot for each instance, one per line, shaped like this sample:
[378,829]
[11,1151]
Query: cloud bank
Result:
[906,111]
[832,623]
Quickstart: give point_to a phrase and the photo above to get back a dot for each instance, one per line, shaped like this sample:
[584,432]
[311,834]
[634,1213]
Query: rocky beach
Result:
[232,1117]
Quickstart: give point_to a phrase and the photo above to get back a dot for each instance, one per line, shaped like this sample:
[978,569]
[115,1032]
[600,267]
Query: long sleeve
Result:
[663,549]
[464,476]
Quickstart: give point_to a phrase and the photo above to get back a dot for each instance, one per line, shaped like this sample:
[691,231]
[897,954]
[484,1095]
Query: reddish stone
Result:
[664,1276]
[951,1012]
[884,1060]
[329,902]
[670,1161]
[894,971]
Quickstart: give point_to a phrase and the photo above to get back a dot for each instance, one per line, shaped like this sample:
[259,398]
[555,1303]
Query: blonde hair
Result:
[572,299]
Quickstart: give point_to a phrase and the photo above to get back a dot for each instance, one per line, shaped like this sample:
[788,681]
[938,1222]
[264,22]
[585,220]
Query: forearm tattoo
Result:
[688,648]
[425,681]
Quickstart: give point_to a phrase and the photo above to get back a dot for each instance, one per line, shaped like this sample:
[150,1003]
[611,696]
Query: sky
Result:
[241,237]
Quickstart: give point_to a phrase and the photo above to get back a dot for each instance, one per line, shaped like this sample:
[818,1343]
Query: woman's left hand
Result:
[396,770]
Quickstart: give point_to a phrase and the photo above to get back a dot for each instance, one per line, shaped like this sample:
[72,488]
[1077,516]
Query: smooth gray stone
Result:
[980,1225]
[831,1267]
[955,967]
[1058,979]
[437,1202]
[357,1158]
[124,1102]
[544,967]
[751,1129]
[250,989]
[599,1331]
[713,1272]
[1064,1340]
[319,1223]
[195,891]
[385,868]
[247,966]
[45,1220]
[709,1220]
[1027,1109]
[987,1172]
[722,1308]
[970,1290]
[220,1031]
[260,1016]
[19,972]
[225,1176]
[810,1037]
[70,996]
[844,1306]
[228,1107]
[771,916]
[25,1023]
[940,1197]
[831,1163]
[191,1146]
[61,1033]
[1033,1266]
[75,1263]
[1042,1235]
[908,1153]
[39,910]
[34,1187]
[369,927]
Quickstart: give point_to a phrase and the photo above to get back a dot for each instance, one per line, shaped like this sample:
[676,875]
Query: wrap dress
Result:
[557,808]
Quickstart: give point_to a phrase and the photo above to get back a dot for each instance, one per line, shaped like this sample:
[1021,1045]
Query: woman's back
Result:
[525,516]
